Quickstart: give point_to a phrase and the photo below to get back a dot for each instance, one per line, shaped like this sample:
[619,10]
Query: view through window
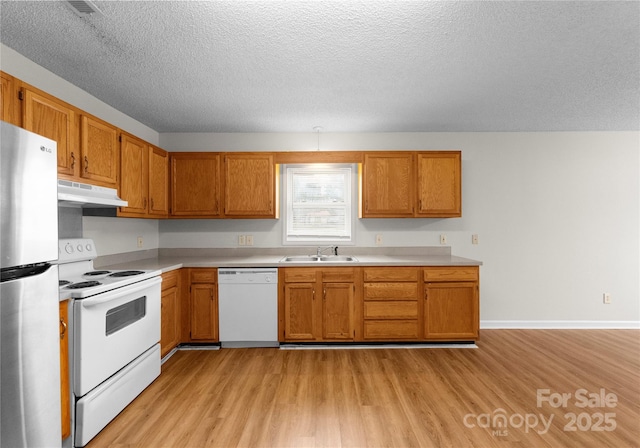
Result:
[319,202]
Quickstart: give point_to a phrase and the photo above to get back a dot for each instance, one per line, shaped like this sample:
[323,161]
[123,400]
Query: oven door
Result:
[113,328]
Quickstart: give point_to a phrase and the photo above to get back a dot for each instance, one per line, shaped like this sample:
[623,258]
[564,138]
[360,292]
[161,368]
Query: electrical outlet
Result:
[443,239]
[242,240]
[378,239]
[249,240]
[474,238]
[140,241]
[606,298]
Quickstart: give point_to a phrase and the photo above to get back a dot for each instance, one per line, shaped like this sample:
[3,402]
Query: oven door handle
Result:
[112,296]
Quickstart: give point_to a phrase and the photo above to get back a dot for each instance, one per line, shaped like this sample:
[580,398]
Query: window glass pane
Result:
[318,203]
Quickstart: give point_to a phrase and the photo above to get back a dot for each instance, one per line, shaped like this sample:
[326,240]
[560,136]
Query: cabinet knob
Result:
[73,160]
[86,164]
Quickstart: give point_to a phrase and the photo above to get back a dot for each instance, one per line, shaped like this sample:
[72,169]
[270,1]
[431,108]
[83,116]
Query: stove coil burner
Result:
[84,285]
[94,273]
[63,282]
[126,273]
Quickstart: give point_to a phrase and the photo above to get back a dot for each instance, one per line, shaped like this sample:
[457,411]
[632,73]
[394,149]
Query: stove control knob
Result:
[88,246]
[80,249]
[68,248]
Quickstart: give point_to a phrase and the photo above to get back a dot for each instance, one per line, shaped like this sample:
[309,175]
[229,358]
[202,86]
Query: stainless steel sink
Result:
[319,259]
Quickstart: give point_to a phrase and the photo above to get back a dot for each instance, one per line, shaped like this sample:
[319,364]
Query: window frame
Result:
[352,206]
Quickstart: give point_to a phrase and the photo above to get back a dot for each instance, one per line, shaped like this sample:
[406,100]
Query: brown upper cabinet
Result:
[388,185]
[87,146]
[144,178]
[411,184]
[54,119]
[249,185]
[100,152]
[195,185]
[158,182]
[439,184]
[9,104]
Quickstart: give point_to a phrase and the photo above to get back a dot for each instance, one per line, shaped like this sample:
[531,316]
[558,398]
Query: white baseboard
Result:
[560,324]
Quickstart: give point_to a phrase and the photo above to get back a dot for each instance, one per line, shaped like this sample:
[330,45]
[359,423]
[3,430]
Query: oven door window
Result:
[124,315]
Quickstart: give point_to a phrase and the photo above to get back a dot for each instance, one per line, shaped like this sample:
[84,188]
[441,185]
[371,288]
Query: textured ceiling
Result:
[350,66]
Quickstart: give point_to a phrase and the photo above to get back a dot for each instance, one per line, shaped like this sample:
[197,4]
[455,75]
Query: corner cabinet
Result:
[451,303]
[401,184]
[144,179]
[249,185]
[195,185]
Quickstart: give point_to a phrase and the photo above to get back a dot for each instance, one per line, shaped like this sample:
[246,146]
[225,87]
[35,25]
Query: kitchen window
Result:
[319,203]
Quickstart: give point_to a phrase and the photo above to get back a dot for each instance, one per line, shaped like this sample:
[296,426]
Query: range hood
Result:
[75,194]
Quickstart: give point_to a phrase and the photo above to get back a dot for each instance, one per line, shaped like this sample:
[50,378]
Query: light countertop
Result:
[169,260]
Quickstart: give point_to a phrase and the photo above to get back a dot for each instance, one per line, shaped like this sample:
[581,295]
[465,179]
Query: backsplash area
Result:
[69,222]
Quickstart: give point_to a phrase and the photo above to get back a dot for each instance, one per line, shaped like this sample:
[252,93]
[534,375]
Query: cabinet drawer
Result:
[391,329]
[391,310]
[204,276]
[451,274]
[338,275]
[169,279]
[391,274]
[390,291]
[293,275]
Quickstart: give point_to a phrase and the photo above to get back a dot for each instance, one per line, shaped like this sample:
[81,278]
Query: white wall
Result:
[557,214]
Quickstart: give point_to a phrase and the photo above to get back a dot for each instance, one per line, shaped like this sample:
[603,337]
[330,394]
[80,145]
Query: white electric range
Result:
[115,335]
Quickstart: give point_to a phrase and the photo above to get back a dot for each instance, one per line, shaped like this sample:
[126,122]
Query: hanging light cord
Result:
[317,129]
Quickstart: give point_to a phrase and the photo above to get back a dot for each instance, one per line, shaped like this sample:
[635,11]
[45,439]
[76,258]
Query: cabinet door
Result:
[204,312]
[388,185]
[65,392]
[451,310]
[134,178]
[195,185]
[9,105]
[169,329]
[100,152]
[50,118]
[158,182]
[337,311]
[249,185]
[439,184]
[299,308]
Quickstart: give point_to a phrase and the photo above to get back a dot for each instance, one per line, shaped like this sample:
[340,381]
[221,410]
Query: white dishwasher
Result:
[248,307]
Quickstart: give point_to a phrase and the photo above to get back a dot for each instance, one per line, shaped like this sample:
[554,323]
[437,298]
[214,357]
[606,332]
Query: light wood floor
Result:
[395,397]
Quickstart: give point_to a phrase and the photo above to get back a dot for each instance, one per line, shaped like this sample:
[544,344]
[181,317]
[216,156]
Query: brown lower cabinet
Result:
[317,304]
[65,392]
[390,303]
[334,304]
[378,304]
[170,312]
[451,303]
[203,305]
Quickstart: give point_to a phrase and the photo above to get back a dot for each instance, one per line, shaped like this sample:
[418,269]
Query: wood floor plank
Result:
[382,397]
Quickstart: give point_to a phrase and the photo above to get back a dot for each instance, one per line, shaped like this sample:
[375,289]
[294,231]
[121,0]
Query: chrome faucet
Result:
[319,250]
